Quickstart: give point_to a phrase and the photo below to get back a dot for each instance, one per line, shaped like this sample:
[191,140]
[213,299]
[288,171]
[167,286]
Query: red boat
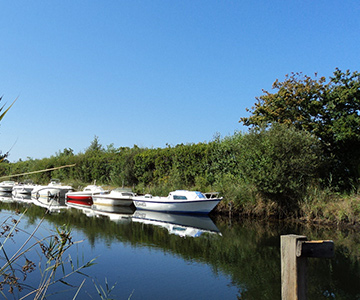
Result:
[83,198]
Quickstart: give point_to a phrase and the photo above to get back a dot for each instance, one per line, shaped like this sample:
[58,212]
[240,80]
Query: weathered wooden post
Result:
[295,249]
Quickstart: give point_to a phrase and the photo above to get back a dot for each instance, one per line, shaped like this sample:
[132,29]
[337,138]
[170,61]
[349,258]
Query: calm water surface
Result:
[160,256]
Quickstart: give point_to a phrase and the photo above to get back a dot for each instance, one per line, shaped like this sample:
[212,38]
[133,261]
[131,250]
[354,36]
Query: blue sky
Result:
[153,73]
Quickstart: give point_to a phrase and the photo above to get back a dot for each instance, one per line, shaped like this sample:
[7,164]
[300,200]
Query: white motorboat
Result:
[178,224]
[23,188]
[6,197]
[6,186]
[22,198]
[180,201]
[53,190]
[84,197]
[116,197]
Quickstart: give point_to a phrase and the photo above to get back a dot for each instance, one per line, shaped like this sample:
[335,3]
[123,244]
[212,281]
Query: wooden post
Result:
[295,249]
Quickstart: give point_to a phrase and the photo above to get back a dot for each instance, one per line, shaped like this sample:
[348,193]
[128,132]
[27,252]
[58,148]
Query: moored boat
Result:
[6,186]
[116,197]
[23,188]
[180,201]
[53,190]
[84,198]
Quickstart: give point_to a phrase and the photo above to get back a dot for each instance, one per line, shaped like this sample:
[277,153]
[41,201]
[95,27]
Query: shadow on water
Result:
[247,251]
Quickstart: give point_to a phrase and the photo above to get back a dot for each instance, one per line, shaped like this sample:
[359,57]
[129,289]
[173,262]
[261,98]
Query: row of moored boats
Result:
[179,201]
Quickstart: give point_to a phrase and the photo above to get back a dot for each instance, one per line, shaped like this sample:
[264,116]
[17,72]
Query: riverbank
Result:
[340,211]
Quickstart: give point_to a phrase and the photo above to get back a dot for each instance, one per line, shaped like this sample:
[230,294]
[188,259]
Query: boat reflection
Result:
[117,214]
[178,224]
[51,204]
[6,197]
[114,209]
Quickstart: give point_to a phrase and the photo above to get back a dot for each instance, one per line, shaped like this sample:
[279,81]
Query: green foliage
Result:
[280,162]
[330,111]
[307,132]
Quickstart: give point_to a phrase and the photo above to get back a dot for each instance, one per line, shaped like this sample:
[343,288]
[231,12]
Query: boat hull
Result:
[187,206]
[87,202]
[83,198]
[107,200]
[7,186]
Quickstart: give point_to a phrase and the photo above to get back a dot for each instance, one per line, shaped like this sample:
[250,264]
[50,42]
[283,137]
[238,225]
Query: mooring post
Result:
[295,249]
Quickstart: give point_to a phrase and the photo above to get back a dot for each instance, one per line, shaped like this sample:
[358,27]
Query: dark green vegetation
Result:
[300,158]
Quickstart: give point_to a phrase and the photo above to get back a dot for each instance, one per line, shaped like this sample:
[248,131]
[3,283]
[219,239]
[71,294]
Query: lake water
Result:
[160,256]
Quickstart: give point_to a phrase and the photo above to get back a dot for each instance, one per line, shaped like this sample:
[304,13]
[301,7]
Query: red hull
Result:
[83,201]
[79,197]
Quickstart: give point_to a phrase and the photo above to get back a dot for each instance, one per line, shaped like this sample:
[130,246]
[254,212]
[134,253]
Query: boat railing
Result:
[212,195]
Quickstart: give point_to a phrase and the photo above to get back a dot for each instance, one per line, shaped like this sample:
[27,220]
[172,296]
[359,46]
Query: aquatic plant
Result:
[17,266]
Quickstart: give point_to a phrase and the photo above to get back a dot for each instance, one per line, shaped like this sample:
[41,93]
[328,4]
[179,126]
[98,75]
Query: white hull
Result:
[6,186]
[22,189]
[162,204]
[114,198]
[100,200]
[180,201]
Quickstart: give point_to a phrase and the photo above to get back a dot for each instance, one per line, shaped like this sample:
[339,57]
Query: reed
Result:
[17,266]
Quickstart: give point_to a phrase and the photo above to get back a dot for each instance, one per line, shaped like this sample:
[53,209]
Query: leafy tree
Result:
[330,111]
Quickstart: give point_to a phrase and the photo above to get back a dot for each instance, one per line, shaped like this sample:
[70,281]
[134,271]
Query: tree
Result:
[95,145]
[330,111]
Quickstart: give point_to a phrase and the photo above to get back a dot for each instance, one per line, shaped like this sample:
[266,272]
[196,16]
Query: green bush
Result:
[280,162]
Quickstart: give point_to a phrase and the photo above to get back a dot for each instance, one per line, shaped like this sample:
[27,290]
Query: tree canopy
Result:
[330,110]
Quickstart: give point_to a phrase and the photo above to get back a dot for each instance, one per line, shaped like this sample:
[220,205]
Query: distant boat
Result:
[180,201]
[84,198]
[23,188]
[6,197]
[53,190]
[116,197]
[6,186]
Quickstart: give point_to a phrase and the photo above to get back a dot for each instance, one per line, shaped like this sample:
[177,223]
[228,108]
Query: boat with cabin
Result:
[53,190]
[23,188]
[116,197]
[84,198]
[7,186]
[179,201]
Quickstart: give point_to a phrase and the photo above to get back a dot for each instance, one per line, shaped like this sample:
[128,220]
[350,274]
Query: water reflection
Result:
[6,197]
[178,224]
[246,251]
[117,214]
[51,204]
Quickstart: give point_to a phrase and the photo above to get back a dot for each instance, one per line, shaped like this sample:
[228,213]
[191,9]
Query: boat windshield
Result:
[200,195]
